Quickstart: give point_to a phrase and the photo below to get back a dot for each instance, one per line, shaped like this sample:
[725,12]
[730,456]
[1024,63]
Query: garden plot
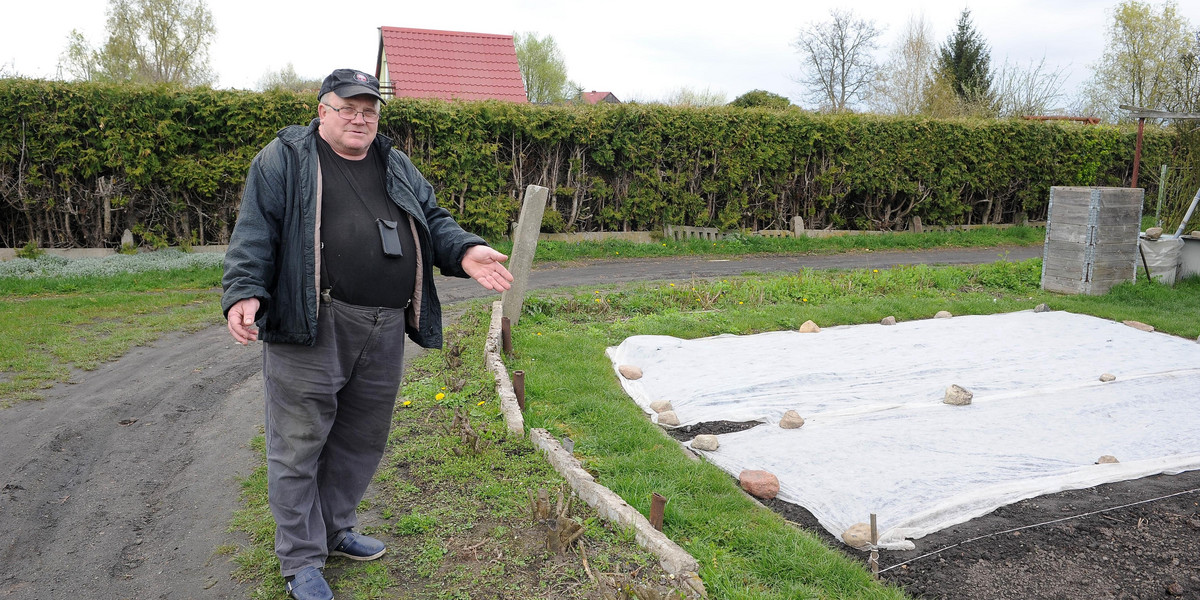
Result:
[878,438]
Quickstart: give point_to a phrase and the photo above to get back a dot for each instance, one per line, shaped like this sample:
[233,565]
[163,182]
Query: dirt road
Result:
[122,483]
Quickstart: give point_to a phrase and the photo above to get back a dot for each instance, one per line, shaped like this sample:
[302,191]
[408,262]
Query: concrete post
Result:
[798,226]
[524,246]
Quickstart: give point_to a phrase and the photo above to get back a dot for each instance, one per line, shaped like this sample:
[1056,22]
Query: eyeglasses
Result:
[348,113]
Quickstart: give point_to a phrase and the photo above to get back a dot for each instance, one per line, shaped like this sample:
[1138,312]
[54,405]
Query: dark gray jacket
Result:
[273,252]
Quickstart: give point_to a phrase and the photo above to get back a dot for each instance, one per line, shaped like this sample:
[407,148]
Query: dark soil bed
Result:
[1131,539]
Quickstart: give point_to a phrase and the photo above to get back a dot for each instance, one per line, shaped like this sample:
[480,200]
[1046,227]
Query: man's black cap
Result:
[348,82]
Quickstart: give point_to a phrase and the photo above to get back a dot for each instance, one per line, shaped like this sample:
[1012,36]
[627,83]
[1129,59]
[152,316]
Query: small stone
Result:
[1041,308]
[791,420]
[1107,377]
[1139,325]
[127,238]
[888,320]
[943,314]
[630,372]
[1107,459]
[957,395]
[762,484]
[858,536]
[668,418]
[809,327]
[1154,233]
[706,442]
[660,406]
[1175,589]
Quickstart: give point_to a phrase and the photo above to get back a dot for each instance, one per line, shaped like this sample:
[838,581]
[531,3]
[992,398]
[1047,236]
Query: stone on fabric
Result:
[762,484]
[858,536]
[630,372]
[791,420]
[943,314]
[668,418]
[1041,308]
[1107,459]
[957,395]
[659,406]
[1138,325]
[888,320]
[1107,377]
[1154,233]
[706,442]
[809,327]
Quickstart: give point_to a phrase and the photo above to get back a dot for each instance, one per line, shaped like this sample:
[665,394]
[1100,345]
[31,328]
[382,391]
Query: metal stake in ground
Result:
[525,241]
[657,504]
[874,560]
[506,336]
[518,382]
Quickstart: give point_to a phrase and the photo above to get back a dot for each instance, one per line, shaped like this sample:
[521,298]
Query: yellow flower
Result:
[439,396]
[664,244]
[597,299]
[739,302]
[407,402]
[540,333]
[672,285]
[874,270]
[480,403]
[443,388]
[806,299]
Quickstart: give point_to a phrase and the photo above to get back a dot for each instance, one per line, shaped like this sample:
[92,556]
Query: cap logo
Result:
[360,77]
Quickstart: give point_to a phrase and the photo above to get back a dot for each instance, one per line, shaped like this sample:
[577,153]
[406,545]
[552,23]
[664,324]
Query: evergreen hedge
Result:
[81,162]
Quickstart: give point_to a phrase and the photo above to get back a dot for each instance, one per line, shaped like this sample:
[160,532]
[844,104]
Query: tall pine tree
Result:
[964,62]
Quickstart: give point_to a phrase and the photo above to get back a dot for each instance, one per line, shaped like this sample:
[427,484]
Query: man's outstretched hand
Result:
[483,265]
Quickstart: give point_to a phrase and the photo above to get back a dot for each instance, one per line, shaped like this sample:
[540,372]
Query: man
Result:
[330,263]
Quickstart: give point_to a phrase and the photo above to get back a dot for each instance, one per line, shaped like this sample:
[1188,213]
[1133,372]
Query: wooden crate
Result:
[1091,238]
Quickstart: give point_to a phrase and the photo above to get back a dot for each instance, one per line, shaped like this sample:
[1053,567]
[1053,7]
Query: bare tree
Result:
[287,79]
[686,96]
[149,41]
[1141,60]
[1028,90]
[903,82]
[837,59]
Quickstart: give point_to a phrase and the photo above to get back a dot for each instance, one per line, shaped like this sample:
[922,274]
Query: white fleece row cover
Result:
[878,439]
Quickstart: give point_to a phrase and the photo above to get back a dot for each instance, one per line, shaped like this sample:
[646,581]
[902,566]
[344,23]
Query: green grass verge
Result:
[746,551]
[548,251]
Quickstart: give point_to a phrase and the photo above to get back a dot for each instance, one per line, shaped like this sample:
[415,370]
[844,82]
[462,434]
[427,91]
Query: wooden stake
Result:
[657,503]
[506,335]
[519,388]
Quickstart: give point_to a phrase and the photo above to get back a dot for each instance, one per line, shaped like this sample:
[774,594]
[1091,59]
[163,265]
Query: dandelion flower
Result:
[672,285]
[480,403]
[439,396]
[407,402]
[874,270]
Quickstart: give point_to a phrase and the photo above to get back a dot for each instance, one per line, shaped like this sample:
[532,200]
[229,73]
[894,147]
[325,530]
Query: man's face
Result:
[349,138]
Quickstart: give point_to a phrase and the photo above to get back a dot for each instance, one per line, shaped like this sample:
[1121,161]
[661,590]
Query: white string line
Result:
[1095,512]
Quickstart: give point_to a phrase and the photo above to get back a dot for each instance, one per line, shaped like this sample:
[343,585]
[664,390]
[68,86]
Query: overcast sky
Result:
[637,49]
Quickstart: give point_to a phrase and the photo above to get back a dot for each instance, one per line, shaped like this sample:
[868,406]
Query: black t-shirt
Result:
[354,267]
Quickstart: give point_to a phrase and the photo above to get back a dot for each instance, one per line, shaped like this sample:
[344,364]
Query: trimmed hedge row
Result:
[80,162]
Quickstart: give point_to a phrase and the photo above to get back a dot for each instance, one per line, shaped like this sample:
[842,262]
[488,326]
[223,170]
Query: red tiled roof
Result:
[596,97]
[426,63]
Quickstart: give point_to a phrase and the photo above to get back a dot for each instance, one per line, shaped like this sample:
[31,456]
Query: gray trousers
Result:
[328,412]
